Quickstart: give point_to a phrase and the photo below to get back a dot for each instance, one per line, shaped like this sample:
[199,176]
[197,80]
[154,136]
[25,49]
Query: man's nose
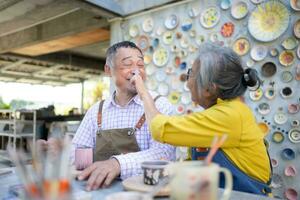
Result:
[135,71]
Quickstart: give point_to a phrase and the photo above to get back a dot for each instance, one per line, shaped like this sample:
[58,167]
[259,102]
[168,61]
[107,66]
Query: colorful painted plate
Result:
[200,39]
[174,97]
[290,194]
[293,108]
[225,4]
[280,118]
[264,108]
[287,58]
[268,69]
[264,127]
[297,29]
[163,89]
[147,59]
[143,42]
[256,95]
[250,63]
[269,21]
[168,37]
[180,109]
[210,17]
[288,154]
[270,93]
[148,25]
[227,29]
[286,92]
[133,30]
[259,52]
[290,170]
[274,162]
[160,57]
[277,137]
[257,1]
[186,24]
[297,70]
[171,22]
[295,5]
[286,76]
[274,52]
[290,43]
[294,135]
[241,46]
[239,10]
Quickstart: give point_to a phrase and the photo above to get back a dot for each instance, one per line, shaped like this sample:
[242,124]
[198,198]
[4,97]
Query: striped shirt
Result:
[115,117]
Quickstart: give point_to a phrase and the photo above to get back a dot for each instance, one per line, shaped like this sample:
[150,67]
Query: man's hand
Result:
[100,174]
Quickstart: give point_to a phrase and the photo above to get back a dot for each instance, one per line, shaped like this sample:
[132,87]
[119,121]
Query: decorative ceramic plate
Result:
[168,37]
[288,154]
[147,59]
[277,137]
[210,17]
[290,193]
[293,108]
[160,76]
[150,69]
[151,84]
[256,95]
[259,52]
[133,30]
[193,12]
[250,63]
[295,123]
[163,89]
[297,29]
[185,87]
[171,22]
[186,98]
[200,39]
[269,21]
[290,43]
[264,127]
[155,42]
[280,118]
[287,58]
[159,31]
[186,24]
[227,29]
[176,84]
[274,52]
[160,57]
[239,10]
[274,162]
[184,43]
[241,46]
[297,75]
[180,109]
[174,97]
[286,92]
[264,108]
[143,42]
[257,1]
[286,76]
[268,69]
[225,4]
[298,51]
[270,93]
[294,135]
[295,4]
[148,25]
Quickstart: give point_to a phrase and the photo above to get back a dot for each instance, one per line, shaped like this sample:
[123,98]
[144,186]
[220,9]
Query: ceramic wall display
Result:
[280,118]
[184,42]
[287,58]
[225,4]
[227,29]
[295,123]
[268,69]
[294,135]
[147,59]
[274,162]
[187,24]
[174,97]
[297,29]
[168,37]
[180,109]
[286,92]
[150,69]
[277,181]
[183,65]
[290,43]
[186,98]
[171,22]
[290,170]
[288,154]
[160,57]
[264,127]
[293,108]
[143,42]
[264,108]
[256,95]
[241,46]
[268,21]
[286,76]
[258,52]
[163,89]
[155,42]
[291,194]
[194,12]
[297,74]
[239,10]
[210,17]
[160,76]
[148,25]
[200,39]
[295,5]
[277,137]
[274,52]
[133,30]
[151,84]
[270,93]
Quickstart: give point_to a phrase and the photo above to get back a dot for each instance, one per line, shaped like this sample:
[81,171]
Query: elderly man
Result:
[116,127]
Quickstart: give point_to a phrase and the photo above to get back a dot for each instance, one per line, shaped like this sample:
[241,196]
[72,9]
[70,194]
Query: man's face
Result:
[126,62]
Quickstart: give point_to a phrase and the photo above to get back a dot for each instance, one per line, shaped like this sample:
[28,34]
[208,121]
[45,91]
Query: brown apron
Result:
[116,141]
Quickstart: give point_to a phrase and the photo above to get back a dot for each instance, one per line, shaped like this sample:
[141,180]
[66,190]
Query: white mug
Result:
[195,180]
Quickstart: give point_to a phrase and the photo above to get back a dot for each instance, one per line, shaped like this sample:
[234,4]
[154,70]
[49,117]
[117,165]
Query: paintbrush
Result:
[216,144]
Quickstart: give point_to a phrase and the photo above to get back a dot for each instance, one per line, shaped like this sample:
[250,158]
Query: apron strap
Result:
[143,117]
[99,116]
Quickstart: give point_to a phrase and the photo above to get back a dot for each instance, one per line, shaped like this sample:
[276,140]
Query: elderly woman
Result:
[217,82]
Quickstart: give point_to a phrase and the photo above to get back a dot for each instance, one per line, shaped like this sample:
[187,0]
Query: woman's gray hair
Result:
[112,50]
[220,72]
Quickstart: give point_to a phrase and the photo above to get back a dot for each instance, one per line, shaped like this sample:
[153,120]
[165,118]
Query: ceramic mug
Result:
[195,180]
[83,158]
[154,170]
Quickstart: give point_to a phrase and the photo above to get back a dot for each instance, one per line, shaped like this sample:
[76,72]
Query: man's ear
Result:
[107,70]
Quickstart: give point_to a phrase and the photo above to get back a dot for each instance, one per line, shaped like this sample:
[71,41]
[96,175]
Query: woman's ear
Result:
[210,91]
[107,70]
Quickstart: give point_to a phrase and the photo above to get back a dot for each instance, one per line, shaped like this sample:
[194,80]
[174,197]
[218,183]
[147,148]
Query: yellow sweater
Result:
[244,144]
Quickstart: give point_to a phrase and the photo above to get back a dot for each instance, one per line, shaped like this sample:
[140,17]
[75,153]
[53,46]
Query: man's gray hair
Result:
[112,50]
[222,67]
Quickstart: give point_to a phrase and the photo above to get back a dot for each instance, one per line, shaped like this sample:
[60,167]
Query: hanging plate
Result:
[264,108]
[210,17]
[186,98]
[277,137]
[143,42]
[259,52]
[270,93]
[133,30]
[286,76]
[288,154]
[294,135]
[274,162]
[168,37]
[239,10]
[193,12]
[257,1]
[291,194]
[256,95]
[180,109]
[148,25]
[268,69]
[171,22]
[286,92]
[290,43]
[160,57]
[200,39]
[186,24]
[227,29]
[163,89]
[280,118]
[295,123]
[241,46]
[147,59]
[290,171]
[250,63]
[297,29]
[160,76]
[273,52]
[269,21]
[150,69]
[174,97]
[225,4]
[287,58]
[151,84]
[298,51]
[297,76]
[293,108]
[295,5]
